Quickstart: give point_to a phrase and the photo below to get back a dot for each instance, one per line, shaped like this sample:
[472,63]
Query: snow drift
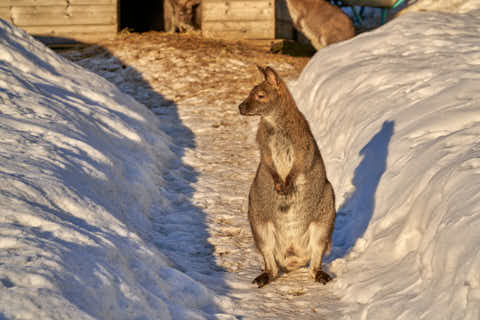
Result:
[457,6]
[396,113]
[81,170]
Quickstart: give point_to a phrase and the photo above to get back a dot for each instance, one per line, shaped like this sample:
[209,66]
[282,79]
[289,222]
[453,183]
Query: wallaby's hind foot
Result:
[262,279]
[322,277]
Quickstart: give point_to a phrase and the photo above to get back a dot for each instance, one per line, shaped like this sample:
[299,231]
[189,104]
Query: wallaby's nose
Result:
[243,108]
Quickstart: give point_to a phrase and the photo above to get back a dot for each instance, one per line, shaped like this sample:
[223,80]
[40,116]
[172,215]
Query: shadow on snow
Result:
[356,212]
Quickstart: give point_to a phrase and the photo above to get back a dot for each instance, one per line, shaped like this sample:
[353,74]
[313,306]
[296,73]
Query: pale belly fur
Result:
[292,232]
[292,241]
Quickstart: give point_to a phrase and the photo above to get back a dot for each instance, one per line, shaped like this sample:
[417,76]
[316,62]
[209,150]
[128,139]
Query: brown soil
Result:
[206,61]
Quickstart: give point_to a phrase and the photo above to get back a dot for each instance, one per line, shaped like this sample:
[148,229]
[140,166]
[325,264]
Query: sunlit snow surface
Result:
[396,113]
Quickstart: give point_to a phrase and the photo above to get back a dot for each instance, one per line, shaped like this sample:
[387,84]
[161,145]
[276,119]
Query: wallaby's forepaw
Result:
[284,189]
[279,187]
[277,183]
[322,277]
[262,279]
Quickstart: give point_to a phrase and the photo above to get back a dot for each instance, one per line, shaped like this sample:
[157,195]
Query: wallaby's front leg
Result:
[278,183]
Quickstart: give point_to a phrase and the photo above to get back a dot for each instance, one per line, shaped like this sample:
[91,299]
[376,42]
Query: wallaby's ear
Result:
[262,70]
[272,77]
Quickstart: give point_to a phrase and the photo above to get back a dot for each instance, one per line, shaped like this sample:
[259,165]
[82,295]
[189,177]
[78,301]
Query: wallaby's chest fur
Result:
[280,147]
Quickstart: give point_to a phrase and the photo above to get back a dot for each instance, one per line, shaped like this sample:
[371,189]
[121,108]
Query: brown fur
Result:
[181,15]
[321,22]
[291,202]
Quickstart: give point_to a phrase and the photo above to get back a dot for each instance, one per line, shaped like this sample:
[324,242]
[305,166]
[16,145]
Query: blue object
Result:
[385,10]
[357,17]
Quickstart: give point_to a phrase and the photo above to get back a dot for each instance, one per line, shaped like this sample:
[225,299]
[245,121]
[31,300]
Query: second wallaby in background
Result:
[321,22]
[291,205]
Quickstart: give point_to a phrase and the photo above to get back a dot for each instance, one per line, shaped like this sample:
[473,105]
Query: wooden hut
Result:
[63,20]
[246,19]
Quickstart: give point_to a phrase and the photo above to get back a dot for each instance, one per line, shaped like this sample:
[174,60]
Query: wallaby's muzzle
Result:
[243,107]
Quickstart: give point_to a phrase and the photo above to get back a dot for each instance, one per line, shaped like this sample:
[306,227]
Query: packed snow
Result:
[96,220]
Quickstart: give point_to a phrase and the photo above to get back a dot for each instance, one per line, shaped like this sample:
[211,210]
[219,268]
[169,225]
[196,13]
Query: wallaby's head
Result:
[264,97]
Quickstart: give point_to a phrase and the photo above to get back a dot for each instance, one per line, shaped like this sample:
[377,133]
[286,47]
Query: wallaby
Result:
[291,205]
[321,22]
[181,15]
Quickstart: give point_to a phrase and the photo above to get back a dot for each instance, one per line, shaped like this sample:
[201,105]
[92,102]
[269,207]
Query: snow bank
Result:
[396,113]
[371,17]
[457,6]
[81,169]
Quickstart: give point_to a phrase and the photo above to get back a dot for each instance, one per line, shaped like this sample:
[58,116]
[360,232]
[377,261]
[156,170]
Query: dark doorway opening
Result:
[141,16]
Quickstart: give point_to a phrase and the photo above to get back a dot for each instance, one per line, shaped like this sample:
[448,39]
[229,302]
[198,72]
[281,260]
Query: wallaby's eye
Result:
[260,95]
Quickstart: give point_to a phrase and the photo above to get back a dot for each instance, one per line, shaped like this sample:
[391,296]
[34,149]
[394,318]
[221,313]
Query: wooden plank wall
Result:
[80,20]
[246,19]
[238,19]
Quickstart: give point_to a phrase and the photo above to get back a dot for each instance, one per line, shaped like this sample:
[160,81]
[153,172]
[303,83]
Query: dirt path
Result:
[194,86]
